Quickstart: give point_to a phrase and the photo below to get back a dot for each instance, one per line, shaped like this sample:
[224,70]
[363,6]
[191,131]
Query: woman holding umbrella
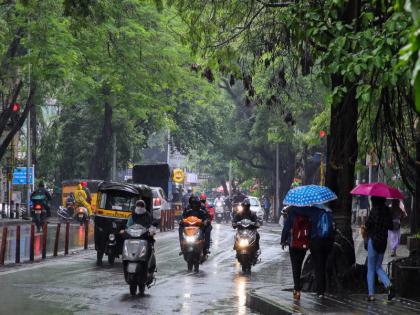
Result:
[376,229]
[309,202]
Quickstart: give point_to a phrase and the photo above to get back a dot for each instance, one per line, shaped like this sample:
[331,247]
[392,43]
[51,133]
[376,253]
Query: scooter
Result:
[81,215]
[245,244]
[39,214]
[139,262]
[219,212]
[192,243]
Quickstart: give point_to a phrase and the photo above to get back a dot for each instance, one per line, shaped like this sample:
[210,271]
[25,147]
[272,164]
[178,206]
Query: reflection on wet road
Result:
[76,286]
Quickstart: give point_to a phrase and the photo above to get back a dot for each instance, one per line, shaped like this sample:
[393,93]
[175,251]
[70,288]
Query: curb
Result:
[264,306]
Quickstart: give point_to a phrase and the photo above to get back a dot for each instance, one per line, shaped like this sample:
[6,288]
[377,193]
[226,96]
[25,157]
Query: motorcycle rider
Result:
[196,209]
[186,198]
[81,199]
[141,216]
[246,213]
[87,191]
[42,194]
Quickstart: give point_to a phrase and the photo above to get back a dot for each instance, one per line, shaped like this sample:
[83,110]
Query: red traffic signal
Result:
[322,133]
[15,107]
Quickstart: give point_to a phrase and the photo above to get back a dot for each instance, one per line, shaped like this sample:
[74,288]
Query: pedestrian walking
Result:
[267,206]
[310,202]
[296,235]
[394,235]
[377,226]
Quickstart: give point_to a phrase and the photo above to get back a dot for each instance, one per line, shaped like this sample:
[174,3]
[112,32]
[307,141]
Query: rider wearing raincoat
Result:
[81,199]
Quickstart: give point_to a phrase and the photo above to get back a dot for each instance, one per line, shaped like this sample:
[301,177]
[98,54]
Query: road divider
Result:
[167,220]
[21,243]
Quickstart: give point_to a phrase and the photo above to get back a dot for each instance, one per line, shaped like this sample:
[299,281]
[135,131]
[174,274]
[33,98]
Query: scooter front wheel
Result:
[133,289]
[142,287]
[111,259]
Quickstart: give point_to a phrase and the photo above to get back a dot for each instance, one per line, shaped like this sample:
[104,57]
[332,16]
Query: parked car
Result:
[256,207]
[160,202]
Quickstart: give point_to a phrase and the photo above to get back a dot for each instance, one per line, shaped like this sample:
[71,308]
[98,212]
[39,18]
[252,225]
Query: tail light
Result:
[38,207]
[157,202]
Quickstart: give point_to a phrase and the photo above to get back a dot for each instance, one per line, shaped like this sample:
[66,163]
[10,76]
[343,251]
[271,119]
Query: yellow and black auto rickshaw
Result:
[116,201]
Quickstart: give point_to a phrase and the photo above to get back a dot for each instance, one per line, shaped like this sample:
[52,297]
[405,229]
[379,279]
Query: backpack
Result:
[325,225]
[300,232]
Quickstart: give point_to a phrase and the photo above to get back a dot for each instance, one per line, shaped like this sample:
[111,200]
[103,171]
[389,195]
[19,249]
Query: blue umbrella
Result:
[309,195]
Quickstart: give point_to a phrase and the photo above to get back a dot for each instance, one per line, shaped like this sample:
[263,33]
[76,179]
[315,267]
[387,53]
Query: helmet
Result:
[194,202]
[246,205]
[203,197]
[84,184]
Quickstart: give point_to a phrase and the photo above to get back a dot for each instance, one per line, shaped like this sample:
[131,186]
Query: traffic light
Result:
[15,107]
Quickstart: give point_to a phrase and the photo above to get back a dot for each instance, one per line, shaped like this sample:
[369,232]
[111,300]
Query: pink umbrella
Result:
[378,190]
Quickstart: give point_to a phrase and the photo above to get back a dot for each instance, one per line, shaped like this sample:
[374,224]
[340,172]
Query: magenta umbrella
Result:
[378,190]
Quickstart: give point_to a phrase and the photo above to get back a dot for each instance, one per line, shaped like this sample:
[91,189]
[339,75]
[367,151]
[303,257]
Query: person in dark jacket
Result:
[297,255]
[320,247]
[42,194]
[246,213]
[196,209]
[377,226]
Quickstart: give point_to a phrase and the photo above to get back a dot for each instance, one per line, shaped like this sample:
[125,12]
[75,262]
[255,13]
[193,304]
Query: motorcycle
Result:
[81,215]
[192,243]
[245,244]
[39,214]
[219,212]
[139,260]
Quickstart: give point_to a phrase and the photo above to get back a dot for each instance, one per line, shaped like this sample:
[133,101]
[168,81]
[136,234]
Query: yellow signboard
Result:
[178,175]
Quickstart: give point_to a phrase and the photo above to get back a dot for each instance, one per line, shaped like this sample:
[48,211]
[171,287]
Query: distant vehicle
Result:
[160,202]
[256,207]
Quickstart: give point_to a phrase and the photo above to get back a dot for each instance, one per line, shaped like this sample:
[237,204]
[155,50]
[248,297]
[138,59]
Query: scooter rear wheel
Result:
[133,289]
[196,267]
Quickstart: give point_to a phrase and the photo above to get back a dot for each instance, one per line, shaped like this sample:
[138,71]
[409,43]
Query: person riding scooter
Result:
[81,199]
[196,209]
[42,195]
[246,213]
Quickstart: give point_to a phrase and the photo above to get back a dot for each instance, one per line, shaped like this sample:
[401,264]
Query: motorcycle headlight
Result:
[243,242]
[112,237]
[240,208]
[190,239]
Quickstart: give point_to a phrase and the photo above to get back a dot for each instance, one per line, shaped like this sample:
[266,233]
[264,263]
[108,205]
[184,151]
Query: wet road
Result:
[75,285]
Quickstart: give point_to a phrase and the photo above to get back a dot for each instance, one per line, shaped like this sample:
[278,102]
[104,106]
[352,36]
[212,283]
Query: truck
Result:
[160,175]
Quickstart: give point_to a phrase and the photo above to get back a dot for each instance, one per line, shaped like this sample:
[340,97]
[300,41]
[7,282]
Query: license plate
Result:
[38,211]
[80,215]
[131,268]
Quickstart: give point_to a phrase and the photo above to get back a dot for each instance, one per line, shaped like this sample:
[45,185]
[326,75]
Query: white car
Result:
[256,207]
[160,202]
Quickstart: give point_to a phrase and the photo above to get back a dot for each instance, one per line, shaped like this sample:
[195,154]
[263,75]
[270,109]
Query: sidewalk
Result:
[277,299]
[273,300]
[14,222]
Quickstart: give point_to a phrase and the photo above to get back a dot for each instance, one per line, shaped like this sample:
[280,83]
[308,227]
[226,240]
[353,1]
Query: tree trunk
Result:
[101,161]
[417,194]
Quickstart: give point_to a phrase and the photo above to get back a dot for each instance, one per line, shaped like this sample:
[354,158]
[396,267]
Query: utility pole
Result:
[230,179]
[28,148]
[277,203]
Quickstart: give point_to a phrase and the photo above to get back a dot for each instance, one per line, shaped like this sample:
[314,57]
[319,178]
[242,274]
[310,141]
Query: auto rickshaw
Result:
[116,201]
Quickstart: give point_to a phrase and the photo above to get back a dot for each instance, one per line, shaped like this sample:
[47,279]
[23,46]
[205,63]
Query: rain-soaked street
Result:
[74,285]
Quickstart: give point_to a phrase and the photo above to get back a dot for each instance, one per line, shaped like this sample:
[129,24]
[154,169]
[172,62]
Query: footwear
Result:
[321,296]
[391,292]
[370,298]
[296,295]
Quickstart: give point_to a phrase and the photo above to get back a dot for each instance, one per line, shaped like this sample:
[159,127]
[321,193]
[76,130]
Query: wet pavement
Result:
[74,285]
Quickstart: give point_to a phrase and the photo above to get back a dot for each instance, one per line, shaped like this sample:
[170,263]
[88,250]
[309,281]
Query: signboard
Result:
[178,175]
[192,178]
[19,176]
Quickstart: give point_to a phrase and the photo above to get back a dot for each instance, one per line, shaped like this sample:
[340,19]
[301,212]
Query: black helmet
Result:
[246,205]
[194,202]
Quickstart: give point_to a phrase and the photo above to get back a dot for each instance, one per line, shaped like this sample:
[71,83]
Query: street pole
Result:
[277,203]
[321,170]
[28,150]
[168,156]
[114,157]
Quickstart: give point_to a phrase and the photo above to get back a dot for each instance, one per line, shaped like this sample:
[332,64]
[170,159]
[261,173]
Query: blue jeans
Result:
[375,267]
